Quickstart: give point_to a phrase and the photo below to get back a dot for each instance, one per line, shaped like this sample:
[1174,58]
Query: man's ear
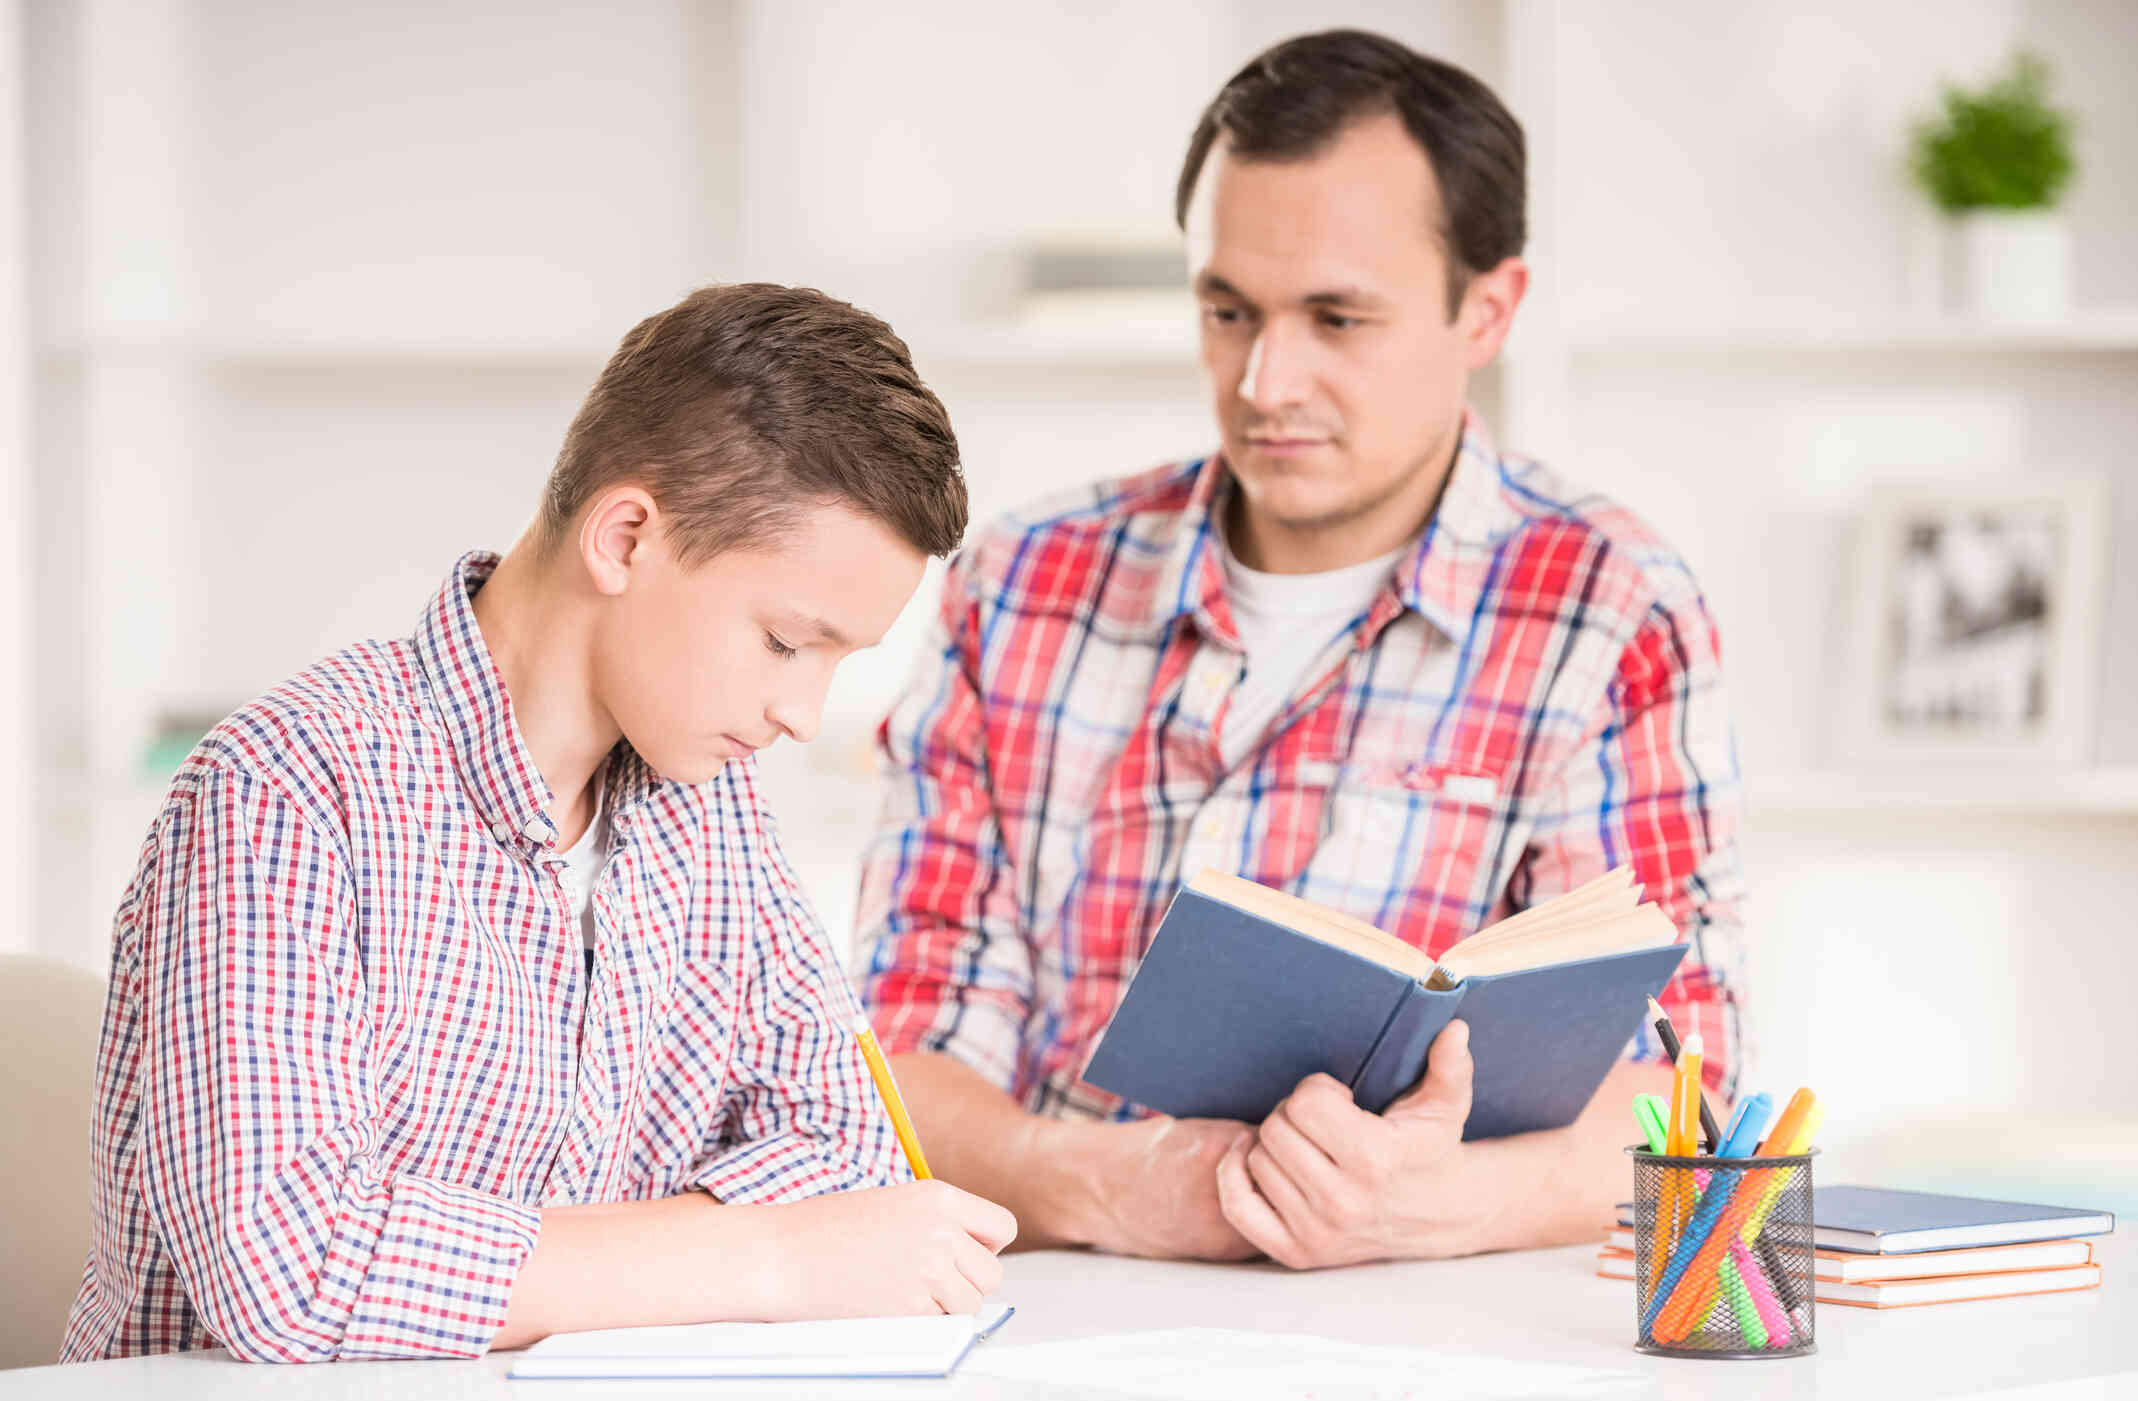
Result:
[1487,312]
[614,536]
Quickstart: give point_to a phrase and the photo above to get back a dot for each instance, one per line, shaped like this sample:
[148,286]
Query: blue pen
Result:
[1746,1125]
[1751,1116]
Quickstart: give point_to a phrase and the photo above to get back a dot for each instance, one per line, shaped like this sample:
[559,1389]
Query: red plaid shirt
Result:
[1534,697]
[351,1045]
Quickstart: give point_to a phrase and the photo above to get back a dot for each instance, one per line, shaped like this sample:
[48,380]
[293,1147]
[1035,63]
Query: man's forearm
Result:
[1558,1187]
[980,1139]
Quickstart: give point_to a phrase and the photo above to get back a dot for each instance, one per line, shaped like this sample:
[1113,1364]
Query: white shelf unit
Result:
[2099,791]
[2107,330]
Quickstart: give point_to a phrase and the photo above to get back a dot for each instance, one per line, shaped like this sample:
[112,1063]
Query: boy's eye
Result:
[1223,315]
[776,647]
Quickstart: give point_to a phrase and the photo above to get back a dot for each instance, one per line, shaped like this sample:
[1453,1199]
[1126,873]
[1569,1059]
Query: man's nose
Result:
[1275,377]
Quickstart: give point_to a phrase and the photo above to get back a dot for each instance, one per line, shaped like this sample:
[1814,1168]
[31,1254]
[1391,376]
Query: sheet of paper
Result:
[1222,1364]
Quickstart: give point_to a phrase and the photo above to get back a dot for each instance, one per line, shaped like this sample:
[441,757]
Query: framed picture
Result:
[1976,622]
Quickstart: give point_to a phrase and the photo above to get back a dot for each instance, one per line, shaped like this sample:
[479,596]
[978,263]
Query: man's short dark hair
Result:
[746,403]
[1292,101]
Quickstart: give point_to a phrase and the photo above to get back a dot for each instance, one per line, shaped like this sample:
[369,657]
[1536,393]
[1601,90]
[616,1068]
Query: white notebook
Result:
[922,1346]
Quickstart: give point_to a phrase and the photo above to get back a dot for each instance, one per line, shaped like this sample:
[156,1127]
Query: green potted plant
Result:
[1996,161]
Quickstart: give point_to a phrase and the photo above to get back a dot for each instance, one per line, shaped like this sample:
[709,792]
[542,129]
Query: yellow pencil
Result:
[888,1088]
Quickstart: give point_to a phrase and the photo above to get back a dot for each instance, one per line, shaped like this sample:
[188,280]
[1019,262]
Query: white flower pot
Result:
[2011,265]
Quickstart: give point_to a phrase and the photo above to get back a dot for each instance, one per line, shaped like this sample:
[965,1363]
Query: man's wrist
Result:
[1060,1161]
[1515,1188]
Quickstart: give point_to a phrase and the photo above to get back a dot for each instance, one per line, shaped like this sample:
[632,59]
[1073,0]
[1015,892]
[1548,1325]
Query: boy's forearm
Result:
[978,1138]
[634,1264]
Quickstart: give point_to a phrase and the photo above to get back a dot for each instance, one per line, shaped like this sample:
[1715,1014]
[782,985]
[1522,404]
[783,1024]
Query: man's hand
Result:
[1157,1187]
[917,1248]
[1326,1183]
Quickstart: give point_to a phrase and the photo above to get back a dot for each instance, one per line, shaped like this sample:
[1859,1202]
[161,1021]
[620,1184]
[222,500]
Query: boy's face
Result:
[1336,372]
[701,665]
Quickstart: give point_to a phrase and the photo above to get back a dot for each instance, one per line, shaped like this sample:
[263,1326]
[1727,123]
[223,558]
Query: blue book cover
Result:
[1229,1011]
[1890,1221]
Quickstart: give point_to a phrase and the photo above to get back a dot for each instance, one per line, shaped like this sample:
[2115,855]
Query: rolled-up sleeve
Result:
[258,1128]
[1656,786]
[949,966]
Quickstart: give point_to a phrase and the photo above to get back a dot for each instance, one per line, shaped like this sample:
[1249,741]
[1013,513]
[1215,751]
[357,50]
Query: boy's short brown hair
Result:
[747,402]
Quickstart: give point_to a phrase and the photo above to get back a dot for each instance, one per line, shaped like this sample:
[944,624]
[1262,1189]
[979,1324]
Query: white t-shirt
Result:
[583,862]
[1285,620]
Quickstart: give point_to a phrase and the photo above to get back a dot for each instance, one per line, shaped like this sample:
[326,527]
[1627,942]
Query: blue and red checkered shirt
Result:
[351,1048]
[1534,698]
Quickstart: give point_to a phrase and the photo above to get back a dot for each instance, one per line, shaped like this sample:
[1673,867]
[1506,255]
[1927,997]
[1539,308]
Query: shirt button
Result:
[502,833]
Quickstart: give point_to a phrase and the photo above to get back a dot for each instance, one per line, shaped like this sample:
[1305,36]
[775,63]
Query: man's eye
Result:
[1337,322]
[776,647]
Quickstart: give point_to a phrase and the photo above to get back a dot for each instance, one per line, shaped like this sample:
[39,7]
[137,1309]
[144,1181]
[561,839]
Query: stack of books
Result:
[1878,1248]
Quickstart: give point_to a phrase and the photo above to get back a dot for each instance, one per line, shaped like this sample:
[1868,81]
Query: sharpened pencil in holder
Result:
[1723,1256]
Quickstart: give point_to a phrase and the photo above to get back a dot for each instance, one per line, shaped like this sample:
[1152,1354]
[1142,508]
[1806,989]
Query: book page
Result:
[1315,921]
[1642,927]
[1603,916]
[1609,894]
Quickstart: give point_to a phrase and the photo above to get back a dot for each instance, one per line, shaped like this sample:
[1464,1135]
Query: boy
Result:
[463,993]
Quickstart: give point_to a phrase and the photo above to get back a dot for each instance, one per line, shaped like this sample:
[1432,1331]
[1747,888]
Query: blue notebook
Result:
[1246,991]
[1888,1221]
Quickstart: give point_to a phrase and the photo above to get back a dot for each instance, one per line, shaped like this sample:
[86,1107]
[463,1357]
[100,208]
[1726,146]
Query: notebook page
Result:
[924,1345]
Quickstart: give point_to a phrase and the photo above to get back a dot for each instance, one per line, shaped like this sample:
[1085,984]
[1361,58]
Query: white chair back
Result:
[50,1014]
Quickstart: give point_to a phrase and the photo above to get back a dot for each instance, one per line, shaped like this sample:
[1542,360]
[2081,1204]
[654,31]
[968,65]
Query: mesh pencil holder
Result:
[1723,1256]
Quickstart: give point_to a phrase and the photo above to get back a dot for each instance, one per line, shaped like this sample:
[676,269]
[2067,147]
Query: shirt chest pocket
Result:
[1412,846]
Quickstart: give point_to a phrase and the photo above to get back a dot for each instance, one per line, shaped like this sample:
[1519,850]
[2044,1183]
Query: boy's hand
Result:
[917,1248]
[1157,1191]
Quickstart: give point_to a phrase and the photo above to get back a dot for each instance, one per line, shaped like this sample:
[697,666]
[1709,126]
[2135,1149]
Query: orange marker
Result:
[1785,1130]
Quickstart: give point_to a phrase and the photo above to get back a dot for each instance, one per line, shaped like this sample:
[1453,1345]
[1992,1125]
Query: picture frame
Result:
[1975,622]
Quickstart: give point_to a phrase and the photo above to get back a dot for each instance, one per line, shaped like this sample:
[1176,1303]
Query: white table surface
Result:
[1541,1306]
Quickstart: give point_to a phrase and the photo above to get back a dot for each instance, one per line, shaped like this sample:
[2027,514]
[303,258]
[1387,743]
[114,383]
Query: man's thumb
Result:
[1443,1092]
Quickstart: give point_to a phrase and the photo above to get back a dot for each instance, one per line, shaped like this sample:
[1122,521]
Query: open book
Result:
[1246,991]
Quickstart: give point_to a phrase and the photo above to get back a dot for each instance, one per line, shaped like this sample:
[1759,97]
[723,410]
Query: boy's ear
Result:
[614,534]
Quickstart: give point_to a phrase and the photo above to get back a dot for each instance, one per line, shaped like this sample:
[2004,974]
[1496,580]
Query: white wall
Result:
[17,674]
[1909,962]
[315,292]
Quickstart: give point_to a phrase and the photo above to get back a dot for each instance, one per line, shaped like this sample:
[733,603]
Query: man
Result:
[1357,654]
[463,993]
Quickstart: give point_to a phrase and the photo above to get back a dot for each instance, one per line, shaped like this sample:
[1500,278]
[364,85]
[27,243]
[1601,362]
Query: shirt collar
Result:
[1442,576]
[1445,574]
[1191,582]
[470,699]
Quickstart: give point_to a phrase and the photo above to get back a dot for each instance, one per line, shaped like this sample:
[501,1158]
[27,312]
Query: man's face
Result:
[701,665]
[1337,375]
